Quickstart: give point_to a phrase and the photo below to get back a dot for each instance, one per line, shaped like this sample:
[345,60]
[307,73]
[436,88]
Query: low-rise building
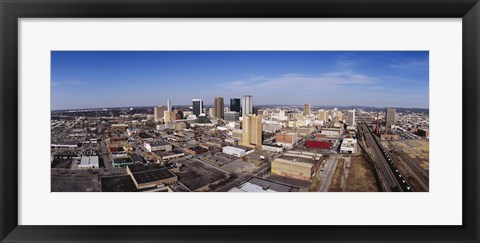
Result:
[235,151]
[296,164]
[158,145]
[272,148]
[168,155]
[287,139]
[304,130]
[331,132]
[150,176]
[349,146]
[89,162]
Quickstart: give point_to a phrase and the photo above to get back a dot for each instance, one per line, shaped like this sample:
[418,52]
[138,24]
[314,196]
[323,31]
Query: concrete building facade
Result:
[306,109]
[390,118]
[247,105]
[252,131]
[218,107]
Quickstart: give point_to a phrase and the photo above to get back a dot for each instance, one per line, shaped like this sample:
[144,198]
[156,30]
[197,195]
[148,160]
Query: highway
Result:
[389,176]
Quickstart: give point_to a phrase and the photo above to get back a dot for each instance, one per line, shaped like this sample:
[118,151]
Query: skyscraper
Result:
[390,117]
[197,106]
[231,116]
[252,131]
[169,116]
[169,106]
[247,105]
[218,106]
[158,112]
[306,109]
[235,105]
[322,115]
[351,117]
[340,115]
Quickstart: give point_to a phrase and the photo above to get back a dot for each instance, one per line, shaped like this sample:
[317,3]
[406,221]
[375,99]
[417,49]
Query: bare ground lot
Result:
[198,175]
[245,165]
[412,158]
[360,176]
[337,176]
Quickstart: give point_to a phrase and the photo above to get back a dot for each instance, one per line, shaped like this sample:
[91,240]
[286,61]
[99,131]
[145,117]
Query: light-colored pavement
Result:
[328,172]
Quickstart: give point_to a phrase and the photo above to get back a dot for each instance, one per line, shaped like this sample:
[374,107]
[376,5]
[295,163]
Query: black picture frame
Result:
[12,10]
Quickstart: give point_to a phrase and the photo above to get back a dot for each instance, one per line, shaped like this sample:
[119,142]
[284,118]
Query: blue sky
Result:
[95,79]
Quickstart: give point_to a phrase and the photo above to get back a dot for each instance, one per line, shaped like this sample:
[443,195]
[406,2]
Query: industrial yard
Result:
[412,157]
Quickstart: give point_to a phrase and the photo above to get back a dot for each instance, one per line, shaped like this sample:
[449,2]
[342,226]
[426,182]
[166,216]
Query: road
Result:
[328,173]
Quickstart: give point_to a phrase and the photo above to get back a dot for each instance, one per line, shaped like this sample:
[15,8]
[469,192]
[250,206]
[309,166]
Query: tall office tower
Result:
[197,106]
[218,106]
[306,109]
[211,112]
[252,131]
[322,115]
[169,106]
[340,115]
[169,116]
[351,117]
[158,112]
[235,105]
[231,116]
[390,117]
[255,110]
[247,105]
[178,114]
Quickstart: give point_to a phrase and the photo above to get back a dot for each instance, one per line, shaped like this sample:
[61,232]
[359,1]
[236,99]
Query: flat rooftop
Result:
[294,160]
[122,183]
[152,175]
[262,185]
[140,167]
[159,143]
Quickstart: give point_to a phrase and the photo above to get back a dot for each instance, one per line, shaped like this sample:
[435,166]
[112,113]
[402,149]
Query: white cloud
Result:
[409,64]
[68,82]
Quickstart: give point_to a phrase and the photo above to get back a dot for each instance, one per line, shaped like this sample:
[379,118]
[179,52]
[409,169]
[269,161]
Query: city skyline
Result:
[95,79]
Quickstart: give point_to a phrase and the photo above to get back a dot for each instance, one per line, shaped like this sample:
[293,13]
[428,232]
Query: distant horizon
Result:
[228,105]
[133,78]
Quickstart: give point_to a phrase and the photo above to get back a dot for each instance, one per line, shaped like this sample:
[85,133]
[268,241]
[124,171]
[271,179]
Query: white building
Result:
[272,148]
[247,105]
[351,117]
[349,146]
[234,151]
[88,162]
[157,145]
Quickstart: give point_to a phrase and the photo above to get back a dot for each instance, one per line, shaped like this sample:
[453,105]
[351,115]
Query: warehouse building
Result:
[296,164]
[235,151]
[88,162]
[150,176]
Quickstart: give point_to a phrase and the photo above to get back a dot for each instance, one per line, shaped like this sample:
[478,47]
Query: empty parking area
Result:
[197,175]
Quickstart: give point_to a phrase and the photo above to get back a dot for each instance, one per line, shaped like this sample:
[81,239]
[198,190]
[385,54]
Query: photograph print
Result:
[239,121]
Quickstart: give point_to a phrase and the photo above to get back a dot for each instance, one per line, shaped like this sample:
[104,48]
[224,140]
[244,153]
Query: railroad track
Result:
[391,178]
